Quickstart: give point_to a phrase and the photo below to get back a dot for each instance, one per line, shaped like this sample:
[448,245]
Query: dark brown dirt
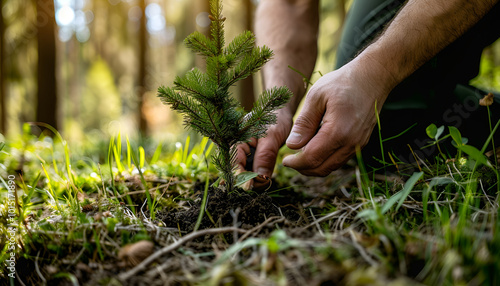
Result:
[225,209]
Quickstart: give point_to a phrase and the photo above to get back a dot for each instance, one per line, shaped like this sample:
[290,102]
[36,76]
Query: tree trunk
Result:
[246,85]
[47,102]
[3,90]
[141,89]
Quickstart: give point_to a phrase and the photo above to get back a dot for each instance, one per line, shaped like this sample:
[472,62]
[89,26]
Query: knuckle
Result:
[304,122]
[344,138]
[241,160]
[313,161]
[267,157]
[317,173]
[243,148]
[324,172]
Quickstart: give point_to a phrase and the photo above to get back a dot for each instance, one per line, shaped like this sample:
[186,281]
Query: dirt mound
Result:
[223,209]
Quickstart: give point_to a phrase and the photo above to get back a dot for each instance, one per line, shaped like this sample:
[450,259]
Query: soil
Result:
[260,212]
[239,208]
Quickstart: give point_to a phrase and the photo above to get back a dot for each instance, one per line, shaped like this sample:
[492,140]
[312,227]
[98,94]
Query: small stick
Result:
[361,250]
[141,266]
[37,269]
[315,222]
[267,221]
[321,219]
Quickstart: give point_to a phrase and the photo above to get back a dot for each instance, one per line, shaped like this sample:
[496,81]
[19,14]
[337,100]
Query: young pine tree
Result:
[204,98]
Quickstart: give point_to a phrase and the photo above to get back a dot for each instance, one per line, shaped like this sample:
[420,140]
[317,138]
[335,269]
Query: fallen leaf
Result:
[487,100]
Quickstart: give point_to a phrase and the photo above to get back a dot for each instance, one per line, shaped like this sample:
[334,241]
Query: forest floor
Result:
[80,222]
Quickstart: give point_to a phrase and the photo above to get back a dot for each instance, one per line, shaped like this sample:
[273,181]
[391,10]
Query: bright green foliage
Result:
[204,98]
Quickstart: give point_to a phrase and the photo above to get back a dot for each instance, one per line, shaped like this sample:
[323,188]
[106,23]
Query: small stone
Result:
[135,253]
[107,214]
[83,267]
[81,196]
[51,269]
[97,216]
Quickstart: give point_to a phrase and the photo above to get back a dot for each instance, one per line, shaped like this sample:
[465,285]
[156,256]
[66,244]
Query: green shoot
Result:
[156,155]
[380,141]
[51,192]
[204,98]
[150,201]
[203,203]
[435,133]
[117,147]
[401,196]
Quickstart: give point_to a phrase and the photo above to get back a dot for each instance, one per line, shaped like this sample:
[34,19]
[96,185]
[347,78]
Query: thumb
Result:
[265,155]
[305,126]
[269,146]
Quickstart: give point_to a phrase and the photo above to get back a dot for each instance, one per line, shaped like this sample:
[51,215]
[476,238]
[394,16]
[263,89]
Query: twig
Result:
[449,169]
[339,224]
[321,219]
[302,213]
[423,163]
[316,223]
[19,280]
[141,266]
[103,245]
[345,192]
[358,182]
[361,250]
[112,241]
[235,214]
[142,212]
[77,257]
[37,269]
[267,221]
[485,194]
[455,167]
[159,269]
[293,268]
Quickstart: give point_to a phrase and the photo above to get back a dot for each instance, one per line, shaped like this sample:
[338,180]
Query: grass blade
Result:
[203,203]
[156,155]
[403,194]
[144,183]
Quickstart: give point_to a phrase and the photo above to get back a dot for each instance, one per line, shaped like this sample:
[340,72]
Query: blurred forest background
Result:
[92,67]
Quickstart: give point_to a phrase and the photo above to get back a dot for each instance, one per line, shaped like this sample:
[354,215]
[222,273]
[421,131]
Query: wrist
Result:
[294,83]
[286,114]
[371,69]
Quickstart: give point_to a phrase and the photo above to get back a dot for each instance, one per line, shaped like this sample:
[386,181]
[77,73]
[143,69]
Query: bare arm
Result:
[344,100]
[420,30]
[290,29]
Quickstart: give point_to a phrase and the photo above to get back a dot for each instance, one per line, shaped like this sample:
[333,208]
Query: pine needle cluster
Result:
[204,98]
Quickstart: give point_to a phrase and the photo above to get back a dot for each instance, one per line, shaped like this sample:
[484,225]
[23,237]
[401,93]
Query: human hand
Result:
[266,149]
[338,115]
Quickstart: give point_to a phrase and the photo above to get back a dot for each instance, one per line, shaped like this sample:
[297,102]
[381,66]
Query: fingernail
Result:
[294,138]
[263,171]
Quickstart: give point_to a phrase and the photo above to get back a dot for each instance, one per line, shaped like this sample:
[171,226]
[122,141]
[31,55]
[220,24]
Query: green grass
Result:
[437,226]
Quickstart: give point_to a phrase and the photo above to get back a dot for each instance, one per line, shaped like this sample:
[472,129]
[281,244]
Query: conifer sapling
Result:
[204,98]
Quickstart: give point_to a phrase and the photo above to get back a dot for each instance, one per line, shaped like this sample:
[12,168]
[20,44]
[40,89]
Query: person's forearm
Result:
[419,31]
[289,28]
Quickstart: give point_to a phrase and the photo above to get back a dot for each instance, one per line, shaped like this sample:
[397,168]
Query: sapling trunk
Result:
[204,98]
